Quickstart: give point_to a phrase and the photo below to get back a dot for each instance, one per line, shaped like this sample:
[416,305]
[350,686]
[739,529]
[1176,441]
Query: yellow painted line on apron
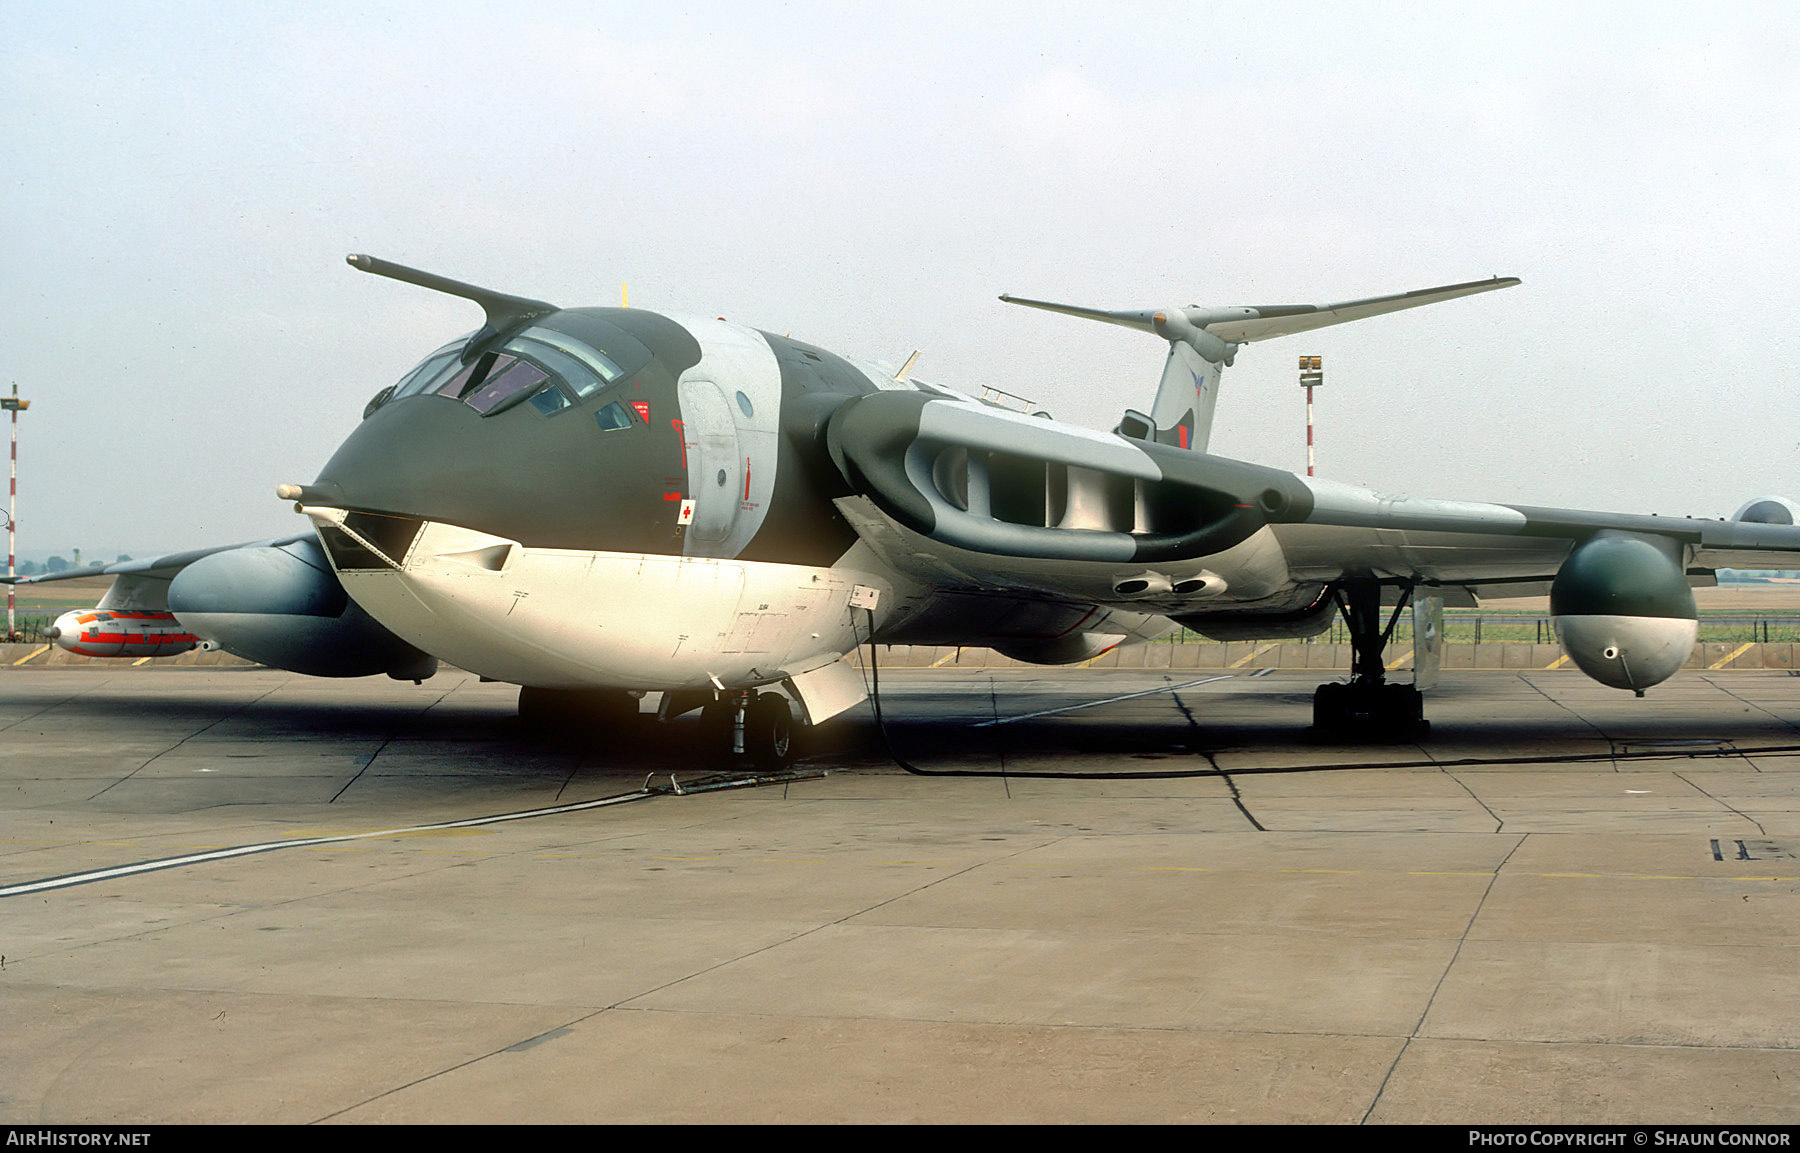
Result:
[1735,654]
[1089,662]
[1558,663]
[945,659]
[1402,659]
[1242,661]
[32,653]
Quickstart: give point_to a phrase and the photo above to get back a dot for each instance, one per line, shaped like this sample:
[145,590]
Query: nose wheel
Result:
[769,731]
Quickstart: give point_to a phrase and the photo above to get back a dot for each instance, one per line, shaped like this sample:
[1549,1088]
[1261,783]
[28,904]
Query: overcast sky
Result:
[183,183]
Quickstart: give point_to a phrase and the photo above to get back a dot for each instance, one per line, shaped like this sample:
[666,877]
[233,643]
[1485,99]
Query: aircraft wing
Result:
[144,584]
[982,499]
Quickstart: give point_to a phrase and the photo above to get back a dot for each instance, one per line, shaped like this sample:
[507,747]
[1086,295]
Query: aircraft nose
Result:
[427,460]
[591,475]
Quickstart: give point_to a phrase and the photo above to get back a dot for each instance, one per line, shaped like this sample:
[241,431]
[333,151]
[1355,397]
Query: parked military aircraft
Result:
[599,503]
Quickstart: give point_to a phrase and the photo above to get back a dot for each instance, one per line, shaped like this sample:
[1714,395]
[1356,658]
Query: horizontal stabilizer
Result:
[1203,341]
[1241,324]
[1144,319]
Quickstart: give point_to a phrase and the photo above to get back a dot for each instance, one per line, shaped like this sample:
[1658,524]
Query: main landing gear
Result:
[738,723]
[1368,706]
[750,724]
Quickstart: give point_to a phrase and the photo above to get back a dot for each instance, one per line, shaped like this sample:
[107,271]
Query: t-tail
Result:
[1203,342]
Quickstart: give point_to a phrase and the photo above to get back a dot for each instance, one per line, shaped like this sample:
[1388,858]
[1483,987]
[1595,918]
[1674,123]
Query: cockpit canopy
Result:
[543,365]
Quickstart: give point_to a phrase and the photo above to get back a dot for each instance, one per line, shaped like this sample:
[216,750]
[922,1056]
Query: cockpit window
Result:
[551,399]
[504,383]
[431,370]
[472,374]
[586,370]
[613,417]
[548,368]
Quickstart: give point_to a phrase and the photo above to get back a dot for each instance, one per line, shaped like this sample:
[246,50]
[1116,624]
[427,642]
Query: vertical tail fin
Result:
[1183,410]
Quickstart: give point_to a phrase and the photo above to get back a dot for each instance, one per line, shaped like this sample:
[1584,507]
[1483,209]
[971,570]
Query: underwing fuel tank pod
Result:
[121,633]
[1623,610]
[281,605]
[275,602]
[605,504]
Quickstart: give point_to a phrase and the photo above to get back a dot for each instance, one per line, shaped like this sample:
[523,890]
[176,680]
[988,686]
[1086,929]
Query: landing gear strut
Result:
[757,725]
[1368,705]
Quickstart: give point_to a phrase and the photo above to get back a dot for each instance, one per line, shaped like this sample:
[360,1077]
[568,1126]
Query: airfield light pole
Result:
[15,406]
[1312,375]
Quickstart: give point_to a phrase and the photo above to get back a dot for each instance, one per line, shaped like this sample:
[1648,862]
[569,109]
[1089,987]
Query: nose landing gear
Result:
[739,723]
[750,724]
[769,731]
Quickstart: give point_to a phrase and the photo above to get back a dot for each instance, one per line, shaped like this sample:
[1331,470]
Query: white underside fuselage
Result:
[557,618]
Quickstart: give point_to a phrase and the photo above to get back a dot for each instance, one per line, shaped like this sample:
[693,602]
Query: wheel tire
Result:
[1403,708]
[1330,706]
[769,732]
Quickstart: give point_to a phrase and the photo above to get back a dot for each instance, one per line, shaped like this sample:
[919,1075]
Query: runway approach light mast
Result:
[15,406]
[1312,375]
